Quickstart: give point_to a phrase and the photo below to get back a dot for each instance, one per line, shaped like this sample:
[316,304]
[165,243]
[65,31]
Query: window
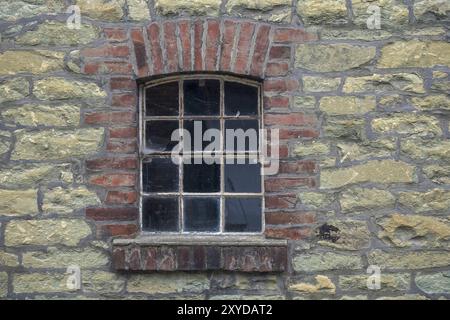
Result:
[182,192]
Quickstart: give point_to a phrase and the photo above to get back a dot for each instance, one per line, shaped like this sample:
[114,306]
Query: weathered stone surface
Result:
[46,232]
[432,102]
[438,174]
[53,33]
[366,149]
[430,10]
[192,7]
[18,202]
[107,10]
[14,10]
[326,261]
[43,115]
[332,57]
[391,101]
[362,199]
[8,259]
[426,149]
[315,200]
[414,230]
[37,61]
[168,283]
[432,283]
[407,297]
[307,149]
[62,258]
[54,144]
[393,12]
[3,284]
[352,34]
[31,175]
[408,124]
[322,12]
[439,74]
[347,105]
[418,54]
[60,89]
[272,10]
[409,260]
[320,84]
[388,282]
[41,282]
[59,200]
[433,200]
[382,171]
[138,10]
[352,129]
[379,83]
[323,285]
[440,86]
[5,141]
[103,282]
[14,89]
[344,234]
[304,102]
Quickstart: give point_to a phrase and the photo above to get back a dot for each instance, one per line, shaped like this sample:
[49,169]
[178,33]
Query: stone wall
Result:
[364,126]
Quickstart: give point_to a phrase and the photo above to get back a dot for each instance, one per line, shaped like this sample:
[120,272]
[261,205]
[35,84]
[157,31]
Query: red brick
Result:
[140,52]
[243,47]
[212,45]
[112,214]
[298,133]
[260,50]
[150,258]
[119,259]
[122,83]
[305,166]
[290,119]
[126,100]
[114,180]
[276,218]
[276,102]
[281,184]
[115,230]
[109,117]
[125,132]
[286,201]
[293,35]
[166,259]
[288,233]
[153,32]
[198,44]
[121,197]
[134,259]
[277,69]
[107,67]
[280,52]
[281,85]
[112,163]
[227,45]
[170,41]
[107,51]
[185,37]
[122,146]
[115,34]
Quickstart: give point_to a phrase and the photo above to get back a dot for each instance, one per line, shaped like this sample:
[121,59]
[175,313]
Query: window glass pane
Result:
[240,99]
[201,214]
[201,126]
[243,214]
[243,136]
[158,135]
[162,100]
[160,175]
[243,177]
[160,214]
[201,97]
[201,177]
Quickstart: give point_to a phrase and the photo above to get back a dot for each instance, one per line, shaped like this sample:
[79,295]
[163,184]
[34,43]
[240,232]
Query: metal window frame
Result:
[180,117]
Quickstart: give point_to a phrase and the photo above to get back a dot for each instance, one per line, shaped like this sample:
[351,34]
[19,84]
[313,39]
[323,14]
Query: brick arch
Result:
[212,45]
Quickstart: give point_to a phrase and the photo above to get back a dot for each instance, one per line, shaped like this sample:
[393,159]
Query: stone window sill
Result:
[200,253]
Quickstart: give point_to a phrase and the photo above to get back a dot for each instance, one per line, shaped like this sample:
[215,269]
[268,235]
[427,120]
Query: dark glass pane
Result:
[243,214]
[201,97]
[244,134]
[201,126]
[162,100]
[201,214]
[242,177]
[201,177]
[240,99]
[158,135]
[160,175]
[160,214]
